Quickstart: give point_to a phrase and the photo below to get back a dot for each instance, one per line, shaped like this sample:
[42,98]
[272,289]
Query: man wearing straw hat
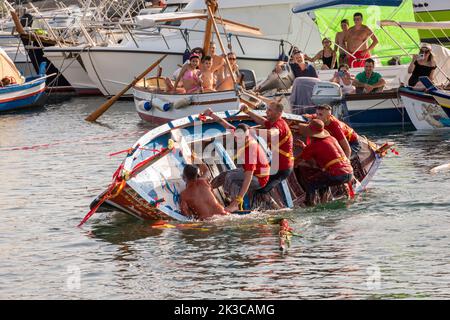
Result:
[324,153]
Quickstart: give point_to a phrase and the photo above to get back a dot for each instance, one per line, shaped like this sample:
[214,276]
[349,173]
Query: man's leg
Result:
[274,180]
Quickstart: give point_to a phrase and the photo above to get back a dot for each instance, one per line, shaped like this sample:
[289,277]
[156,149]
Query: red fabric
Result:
[341,130]
[256,161]
[284,162]
[322,151]
[359,60]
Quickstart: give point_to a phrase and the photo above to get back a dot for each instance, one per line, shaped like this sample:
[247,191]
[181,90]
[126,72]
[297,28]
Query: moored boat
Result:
[149,181]
[22,92]
[428,110]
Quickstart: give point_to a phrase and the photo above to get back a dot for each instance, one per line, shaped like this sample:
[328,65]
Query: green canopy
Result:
[329,23]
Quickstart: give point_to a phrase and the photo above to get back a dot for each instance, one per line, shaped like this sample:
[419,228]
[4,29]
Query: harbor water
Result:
[390,243]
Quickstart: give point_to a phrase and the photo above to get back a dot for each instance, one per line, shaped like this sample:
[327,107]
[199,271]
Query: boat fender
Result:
[147,105]
[183,102]
[161,104]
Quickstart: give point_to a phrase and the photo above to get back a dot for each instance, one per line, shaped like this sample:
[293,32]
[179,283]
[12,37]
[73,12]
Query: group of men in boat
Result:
[331,144]
[205,73]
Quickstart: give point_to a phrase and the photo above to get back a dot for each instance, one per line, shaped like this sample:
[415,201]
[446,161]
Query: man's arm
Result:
[184,207]
[208,112]
[346,147]
[374,40]
[257,118]
[381,83]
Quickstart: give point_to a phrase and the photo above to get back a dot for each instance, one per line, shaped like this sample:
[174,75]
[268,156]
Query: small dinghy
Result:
[149,181]
[20,92]
[155,105]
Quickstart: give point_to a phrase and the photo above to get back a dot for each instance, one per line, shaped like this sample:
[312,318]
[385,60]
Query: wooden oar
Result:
[97,113]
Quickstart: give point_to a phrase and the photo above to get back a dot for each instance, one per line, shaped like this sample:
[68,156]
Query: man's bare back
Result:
[199,200]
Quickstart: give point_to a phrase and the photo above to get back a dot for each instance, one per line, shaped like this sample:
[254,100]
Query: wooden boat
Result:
[22,92]
[148,183]
[428,110]
[155,105]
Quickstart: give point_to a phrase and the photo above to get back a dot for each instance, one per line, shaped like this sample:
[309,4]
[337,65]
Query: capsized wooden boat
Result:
[155,105]
[149,181]
[22,92]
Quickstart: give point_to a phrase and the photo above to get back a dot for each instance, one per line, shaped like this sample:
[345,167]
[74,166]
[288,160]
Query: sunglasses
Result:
[424,50]
[231,58]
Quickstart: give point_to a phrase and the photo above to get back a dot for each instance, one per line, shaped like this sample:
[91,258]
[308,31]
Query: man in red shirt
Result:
[255,170]
[344,134]
[325,153]
[279,138]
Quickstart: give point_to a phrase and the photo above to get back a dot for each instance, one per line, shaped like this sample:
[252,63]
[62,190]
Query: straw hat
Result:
[425,45]
[316,129]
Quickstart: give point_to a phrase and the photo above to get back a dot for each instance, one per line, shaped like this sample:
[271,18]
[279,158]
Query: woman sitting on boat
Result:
[423,64]
[344,79]
[189,74]
[327,55]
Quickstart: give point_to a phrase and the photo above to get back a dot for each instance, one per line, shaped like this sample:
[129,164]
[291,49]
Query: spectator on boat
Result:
[198,187]
[279,138]
[225,82]
[356,39]
[8,80]
[207,76]
[299,67]
[423,64]
[344,79]
[255,170]
[339,42]
[190,75]
[218,62]
[369,81]
[325,154]
[347,137]
[327,55]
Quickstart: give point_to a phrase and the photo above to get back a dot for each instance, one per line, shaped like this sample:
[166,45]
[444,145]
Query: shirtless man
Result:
[356,39]
[340,43]
[218,62]
[198,187]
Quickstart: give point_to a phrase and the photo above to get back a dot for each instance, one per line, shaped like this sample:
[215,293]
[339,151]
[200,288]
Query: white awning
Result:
[151,20]
[416,25]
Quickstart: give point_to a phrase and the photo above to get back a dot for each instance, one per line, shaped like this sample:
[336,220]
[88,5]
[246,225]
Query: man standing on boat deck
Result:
[344,134]
[198,187]
[340,42]
[324,153]
[357,38]
[276,129]
[255,170]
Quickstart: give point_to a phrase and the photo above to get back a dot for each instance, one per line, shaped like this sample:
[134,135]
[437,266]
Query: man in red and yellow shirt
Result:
[255,170]
[325,153]
[280,140]
[344,134]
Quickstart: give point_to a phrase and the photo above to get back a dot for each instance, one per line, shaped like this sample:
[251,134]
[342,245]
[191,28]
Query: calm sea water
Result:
[393,242]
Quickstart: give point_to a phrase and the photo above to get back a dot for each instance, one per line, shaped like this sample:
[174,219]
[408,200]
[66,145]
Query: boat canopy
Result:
[440,25]
[8,68]
[149,21]
[311,5]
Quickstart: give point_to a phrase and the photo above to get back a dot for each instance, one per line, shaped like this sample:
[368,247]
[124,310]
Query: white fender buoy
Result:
[441,168]
[161,104]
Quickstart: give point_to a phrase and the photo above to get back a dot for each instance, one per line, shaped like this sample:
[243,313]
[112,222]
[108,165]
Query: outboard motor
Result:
[326,92]
[278,81]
